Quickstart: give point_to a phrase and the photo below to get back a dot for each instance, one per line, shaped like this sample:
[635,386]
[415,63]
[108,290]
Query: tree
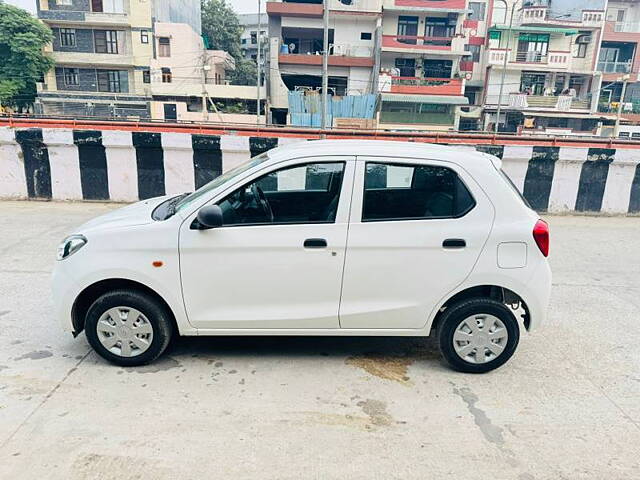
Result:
[220,24]
[22,60]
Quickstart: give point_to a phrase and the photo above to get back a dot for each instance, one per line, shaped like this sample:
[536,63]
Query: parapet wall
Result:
[116,165]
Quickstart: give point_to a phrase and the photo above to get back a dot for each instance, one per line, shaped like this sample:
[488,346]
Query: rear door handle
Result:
[454,243]
[315,243]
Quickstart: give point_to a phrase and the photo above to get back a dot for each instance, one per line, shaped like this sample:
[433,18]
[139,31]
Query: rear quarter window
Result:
[413,192]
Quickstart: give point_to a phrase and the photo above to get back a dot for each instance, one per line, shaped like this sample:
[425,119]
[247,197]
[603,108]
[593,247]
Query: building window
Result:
[475,52]
[109,81]
[166,75]
[477,11]
[407,29]
[406,67]
[243,41]
[254,38]
[68,37]
[96,6]
[106,41]
[500,12]
[164,47]
[365,36]
[582,43]
[70,76]
[144,36]
[146,76]
[495,37]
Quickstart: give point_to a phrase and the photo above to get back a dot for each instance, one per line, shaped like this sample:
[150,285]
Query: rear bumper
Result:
[538,296]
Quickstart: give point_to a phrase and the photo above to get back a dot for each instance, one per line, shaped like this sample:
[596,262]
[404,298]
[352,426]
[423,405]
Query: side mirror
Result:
[209,216]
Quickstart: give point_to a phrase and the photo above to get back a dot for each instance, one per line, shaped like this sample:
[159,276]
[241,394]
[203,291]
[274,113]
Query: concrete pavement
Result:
[565,407]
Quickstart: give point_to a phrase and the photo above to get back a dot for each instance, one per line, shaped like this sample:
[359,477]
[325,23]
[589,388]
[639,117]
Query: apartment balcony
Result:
[85,18]
[421,86]
[427,5]
[552,61]
[294,9]
[342,56]
[561,103]
[421,44]
[90,60]
[540,15]
[622,31]
[615,67]
[246,92]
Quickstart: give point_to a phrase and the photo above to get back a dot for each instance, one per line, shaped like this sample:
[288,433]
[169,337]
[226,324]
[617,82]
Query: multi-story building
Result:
[254,26]
[619,59]
[139,59]
[544,63]
[430,62]
[102,50]
[422,56]
[296,45]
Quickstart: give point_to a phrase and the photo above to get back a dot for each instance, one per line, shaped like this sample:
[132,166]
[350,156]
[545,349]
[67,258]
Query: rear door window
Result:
[394,191]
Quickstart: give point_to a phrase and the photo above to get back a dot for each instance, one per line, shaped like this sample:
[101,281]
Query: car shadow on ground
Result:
[382,356]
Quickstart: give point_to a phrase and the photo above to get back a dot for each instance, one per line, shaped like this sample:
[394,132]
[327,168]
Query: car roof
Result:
[385,148]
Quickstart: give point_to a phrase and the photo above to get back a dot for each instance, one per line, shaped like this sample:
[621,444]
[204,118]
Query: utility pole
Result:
[616,129]
[325,65]
[504,68]
[258,60]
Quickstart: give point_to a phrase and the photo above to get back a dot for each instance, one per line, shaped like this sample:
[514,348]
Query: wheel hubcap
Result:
[125,331]
[480,338]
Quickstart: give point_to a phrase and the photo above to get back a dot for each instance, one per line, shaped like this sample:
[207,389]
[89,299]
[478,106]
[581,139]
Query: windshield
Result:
[216,182]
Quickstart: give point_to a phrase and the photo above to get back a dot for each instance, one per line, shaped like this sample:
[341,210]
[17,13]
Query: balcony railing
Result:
[560,102]
[626,27]
[417,42]
[420,86]
[627,107]
[531,57]
[614,67]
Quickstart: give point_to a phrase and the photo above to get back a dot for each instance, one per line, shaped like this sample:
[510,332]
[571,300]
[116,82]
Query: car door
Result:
[281,269]
[416,231]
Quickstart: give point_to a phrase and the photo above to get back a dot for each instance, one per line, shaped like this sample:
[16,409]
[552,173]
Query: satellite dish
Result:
[292,47]
[468,75]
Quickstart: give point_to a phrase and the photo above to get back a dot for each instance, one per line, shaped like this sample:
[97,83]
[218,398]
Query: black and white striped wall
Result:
[61,164]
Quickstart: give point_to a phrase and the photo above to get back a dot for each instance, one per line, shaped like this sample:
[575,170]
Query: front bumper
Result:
[65,290]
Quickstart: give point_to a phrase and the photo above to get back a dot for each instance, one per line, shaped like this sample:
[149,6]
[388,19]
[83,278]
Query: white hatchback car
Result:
[317,238]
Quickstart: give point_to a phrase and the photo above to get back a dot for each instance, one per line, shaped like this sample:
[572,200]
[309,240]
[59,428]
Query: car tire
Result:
[132,341]
[472,349]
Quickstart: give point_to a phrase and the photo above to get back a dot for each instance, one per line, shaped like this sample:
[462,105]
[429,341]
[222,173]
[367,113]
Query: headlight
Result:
[70,245]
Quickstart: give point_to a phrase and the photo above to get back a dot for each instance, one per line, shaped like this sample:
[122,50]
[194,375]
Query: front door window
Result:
[301,194]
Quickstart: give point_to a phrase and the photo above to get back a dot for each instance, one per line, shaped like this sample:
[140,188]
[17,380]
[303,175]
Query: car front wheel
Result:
[478,335]
[128,327]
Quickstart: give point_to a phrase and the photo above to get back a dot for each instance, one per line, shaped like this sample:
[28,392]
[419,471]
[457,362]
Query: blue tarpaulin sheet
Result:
[306,110]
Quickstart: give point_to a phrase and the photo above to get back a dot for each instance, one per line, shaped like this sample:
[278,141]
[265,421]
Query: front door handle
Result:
[315,243]
[454,243]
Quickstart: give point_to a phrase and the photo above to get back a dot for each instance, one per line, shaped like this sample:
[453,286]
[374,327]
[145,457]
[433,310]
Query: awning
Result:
[433,99]
[566,31]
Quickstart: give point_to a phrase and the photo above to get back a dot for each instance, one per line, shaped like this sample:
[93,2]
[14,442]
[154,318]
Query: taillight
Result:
[541,236]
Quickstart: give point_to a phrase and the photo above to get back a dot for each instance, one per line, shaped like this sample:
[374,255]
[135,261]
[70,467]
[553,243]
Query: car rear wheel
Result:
[128,328]
[478,335]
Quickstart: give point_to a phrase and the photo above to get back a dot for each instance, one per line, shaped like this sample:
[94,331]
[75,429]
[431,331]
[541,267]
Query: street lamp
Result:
[504,68]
